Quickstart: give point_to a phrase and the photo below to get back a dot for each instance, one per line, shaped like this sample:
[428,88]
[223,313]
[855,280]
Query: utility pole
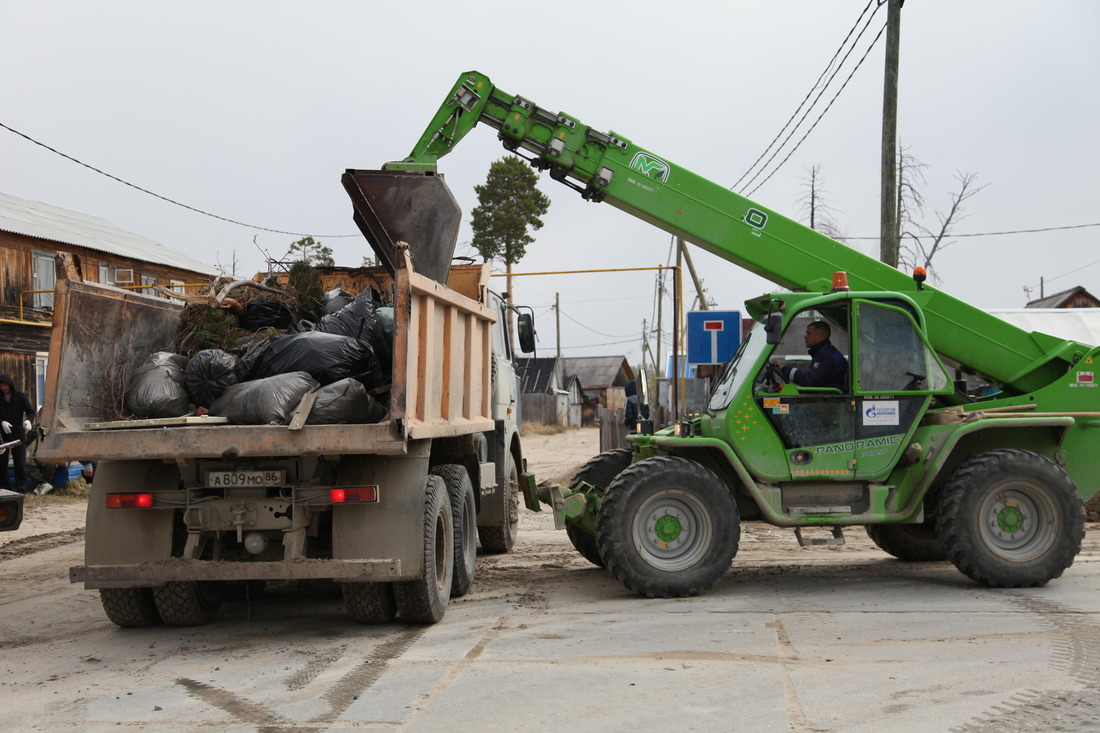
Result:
[557,339]
[888,242]
[703,306]
[659,368]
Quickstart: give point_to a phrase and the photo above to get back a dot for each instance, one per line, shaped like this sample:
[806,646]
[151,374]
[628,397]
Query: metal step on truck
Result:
[183,509]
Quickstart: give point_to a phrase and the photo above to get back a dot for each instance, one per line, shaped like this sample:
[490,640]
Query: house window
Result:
[45,277]
[41,361]
[176,285]
[106,275]
[147,283]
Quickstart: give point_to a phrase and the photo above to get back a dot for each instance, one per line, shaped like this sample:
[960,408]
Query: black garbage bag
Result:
[346,401]
[335,299]
[264,314]
[157,387]
[326,357]
[269,401]
[209,373]
[358,320]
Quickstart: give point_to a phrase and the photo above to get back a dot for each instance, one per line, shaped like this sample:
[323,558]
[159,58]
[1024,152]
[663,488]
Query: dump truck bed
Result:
[440,381]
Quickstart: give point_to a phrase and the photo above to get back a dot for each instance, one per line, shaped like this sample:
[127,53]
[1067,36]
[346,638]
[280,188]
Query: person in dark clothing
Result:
[16,416]
[635,409]
[829,367]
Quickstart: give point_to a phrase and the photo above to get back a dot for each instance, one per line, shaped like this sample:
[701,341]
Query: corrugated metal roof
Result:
[597,371]
[35,219]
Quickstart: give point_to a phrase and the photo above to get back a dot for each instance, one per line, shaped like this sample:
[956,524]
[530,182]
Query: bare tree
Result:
[815,209]
[921,243]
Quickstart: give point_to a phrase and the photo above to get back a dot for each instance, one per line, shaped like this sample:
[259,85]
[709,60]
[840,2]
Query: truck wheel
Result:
[129,607]
[667,527]
[424,601]
[600,471]
[464,519]
[909,542]
[370,603]
[187,603]
[1011,519]
[502,538]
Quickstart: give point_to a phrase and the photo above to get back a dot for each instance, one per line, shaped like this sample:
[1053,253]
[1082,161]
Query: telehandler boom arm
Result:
[610,168]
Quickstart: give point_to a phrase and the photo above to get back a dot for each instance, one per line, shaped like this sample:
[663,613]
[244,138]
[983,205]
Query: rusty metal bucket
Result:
[406,206]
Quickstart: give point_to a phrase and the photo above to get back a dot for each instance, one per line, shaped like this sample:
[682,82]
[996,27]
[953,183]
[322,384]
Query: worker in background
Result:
[16,416]
[635,408]
[829,368]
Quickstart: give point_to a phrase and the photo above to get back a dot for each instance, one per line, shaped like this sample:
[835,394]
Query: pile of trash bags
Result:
[346,357]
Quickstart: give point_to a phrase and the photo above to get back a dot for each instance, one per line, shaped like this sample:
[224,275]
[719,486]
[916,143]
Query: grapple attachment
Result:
[416,207]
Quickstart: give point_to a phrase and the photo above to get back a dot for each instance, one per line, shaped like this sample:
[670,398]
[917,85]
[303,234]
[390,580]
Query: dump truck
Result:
[952,434]
[185,509]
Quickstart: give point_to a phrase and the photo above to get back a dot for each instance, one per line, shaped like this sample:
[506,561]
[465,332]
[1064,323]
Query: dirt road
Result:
[792,639]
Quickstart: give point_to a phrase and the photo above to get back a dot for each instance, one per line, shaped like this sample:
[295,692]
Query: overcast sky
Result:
[252,110]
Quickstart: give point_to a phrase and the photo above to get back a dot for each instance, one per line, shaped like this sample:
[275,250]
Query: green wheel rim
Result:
[672,530]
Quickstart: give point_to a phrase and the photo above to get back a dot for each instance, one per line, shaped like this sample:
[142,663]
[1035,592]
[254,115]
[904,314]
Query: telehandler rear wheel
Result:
[463,504]
[667,527]
[424,601]
[909,542]
[502,537]
[370,603]
[1011,519]
[187,603]
[129,607]
[599,471]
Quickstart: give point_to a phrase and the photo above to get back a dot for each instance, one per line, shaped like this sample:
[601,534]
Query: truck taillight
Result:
[129,501]
[354,494]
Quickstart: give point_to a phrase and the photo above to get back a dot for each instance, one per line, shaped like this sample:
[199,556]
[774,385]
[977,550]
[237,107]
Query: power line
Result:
[165,198]
[1014,231]
[817,84]
[823,113]
[599,333]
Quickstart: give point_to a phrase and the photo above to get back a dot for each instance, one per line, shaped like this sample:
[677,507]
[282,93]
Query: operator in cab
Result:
[829,368]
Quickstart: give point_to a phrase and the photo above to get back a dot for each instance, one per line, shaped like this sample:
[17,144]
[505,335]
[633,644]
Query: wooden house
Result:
[548,395]
[32,234]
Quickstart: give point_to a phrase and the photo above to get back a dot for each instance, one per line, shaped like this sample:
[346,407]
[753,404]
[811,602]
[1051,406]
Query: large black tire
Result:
[502,537]
[370,603]
[464,519]
[909,542]
[129,607]
[187,603]
[667,528]
[1011,519]
[600,471]
[424,601]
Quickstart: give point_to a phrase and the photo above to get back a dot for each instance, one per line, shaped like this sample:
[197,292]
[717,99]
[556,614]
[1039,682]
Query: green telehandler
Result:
[993,480]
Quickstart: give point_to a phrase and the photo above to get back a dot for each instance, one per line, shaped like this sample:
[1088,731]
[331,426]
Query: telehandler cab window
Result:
[892,354]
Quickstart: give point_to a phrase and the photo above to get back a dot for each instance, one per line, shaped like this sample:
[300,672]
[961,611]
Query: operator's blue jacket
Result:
[829,369]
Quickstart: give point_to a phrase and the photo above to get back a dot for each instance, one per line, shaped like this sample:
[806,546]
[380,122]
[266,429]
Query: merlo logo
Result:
[650,166]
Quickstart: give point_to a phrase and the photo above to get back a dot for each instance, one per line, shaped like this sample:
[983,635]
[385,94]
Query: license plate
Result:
[244,479]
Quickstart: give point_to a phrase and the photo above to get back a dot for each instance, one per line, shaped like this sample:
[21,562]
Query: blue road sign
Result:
[712,336]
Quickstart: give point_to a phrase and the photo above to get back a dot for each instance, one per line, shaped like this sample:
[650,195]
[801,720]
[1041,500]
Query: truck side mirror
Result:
[525,327]
[774,328]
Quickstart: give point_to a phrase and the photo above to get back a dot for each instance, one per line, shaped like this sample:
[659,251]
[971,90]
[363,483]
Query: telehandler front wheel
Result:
[667,527]
[600,471]
[1011,519]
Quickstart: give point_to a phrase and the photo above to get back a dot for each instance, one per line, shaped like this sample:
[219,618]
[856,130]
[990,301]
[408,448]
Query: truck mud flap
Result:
[404,206]
[162,572]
